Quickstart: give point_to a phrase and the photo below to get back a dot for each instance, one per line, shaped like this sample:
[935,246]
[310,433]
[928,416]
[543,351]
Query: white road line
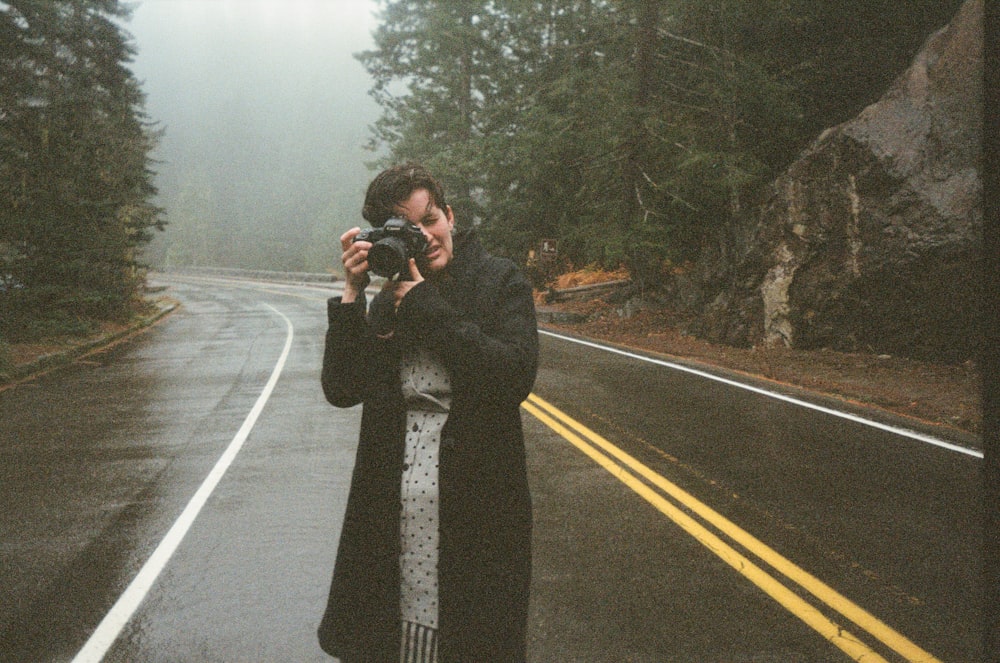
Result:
[928,439]
[123,609]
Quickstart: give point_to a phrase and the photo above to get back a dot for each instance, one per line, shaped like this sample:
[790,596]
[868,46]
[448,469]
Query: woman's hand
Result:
[401,288]
[355,259]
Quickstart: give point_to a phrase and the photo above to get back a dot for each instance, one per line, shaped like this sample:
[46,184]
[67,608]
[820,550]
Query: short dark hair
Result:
[393,186]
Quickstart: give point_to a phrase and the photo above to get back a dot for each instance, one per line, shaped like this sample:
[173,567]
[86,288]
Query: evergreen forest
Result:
[76,185]
[630,131]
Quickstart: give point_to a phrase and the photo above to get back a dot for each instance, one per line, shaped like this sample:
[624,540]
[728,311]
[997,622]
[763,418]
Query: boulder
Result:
[871,240]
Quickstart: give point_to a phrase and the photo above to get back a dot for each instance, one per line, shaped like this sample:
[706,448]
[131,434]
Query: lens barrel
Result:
[387,257]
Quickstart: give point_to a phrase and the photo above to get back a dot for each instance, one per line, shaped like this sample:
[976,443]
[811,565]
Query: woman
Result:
[434,558]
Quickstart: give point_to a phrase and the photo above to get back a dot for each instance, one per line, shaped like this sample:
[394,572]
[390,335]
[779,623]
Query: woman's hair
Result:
[393,186]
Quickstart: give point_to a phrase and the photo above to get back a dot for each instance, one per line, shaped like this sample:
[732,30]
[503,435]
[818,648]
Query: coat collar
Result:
[468,252]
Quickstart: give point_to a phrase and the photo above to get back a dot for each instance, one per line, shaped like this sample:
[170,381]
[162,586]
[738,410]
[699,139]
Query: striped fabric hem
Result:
[419,644]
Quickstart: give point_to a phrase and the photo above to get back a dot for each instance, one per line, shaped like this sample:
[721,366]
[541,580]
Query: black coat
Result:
[479,318]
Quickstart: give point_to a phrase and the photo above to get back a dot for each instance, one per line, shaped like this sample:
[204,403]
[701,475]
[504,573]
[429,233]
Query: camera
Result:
[393,244]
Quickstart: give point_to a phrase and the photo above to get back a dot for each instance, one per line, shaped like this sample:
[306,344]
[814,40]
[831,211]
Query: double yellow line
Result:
[655,489]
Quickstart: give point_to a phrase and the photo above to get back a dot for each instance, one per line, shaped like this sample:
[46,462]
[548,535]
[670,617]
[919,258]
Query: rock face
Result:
[871,240]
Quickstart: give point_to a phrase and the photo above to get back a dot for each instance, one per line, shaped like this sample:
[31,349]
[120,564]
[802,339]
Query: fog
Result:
[265,115]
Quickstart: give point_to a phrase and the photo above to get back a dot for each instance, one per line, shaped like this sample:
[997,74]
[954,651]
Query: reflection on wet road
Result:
[120,614]
[98,461]
[101,459]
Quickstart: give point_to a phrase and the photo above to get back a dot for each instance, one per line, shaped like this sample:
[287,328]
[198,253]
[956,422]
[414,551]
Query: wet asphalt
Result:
[98,460]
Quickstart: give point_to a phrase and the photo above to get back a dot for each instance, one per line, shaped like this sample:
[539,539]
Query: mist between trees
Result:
[629,130]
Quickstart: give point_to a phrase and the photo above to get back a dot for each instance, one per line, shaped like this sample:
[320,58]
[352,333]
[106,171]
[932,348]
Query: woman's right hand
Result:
[355,259]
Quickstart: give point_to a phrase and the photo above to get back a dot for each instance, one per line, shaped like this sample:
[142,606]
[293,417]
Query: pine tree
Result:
[434,48]
[633,131]
[75,203]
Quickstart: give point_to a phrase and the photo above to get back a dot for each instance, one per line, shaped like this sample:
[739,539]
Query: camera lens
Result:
[387,257]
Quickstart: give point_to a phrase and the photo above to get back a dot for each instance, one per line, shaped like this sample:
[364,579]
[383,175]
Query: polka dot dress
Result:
[427,391]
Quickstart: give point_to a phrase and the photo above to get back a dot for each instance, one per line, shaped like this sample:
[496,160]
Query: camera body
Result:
[393,244]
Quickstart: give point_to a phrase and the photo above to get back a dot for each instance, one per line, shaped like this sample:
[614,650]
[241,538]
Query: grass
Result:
[6,360]
[53,344]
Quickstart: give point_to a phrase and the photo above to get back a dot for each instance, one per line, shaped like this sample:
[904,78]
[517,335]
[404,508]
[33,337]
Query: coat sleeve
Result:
[494,357]
[349,341]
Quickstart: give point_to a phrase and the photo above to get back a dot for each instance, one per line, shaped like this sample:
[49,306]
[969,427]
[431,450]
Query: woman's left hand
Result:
[401,288]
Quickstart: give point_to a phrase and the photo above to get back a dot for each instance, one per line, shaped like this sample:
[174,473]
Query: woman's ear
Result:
[449,215]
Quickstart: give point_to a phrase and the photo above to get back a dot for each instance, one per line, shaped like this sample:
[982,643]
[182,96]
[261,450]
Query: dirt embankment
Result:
[944,396]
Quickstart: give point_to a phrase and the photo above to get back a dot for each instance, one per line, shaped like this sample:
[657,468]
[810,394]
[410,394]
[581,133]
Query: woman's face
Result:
[436,224]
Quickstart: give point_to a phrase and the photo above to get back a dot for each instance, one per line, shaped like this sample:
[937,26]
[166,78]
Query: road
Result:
[179,498]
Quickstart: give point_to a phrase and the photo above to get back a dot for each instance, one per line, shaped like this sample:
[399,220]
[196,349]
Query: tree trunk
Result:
[645,50]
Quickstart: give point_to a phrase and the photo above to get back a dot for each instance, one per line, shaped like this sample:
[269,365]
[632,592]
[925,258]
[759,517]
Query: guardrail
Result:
[552,296]
[258,274]
[585,291]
